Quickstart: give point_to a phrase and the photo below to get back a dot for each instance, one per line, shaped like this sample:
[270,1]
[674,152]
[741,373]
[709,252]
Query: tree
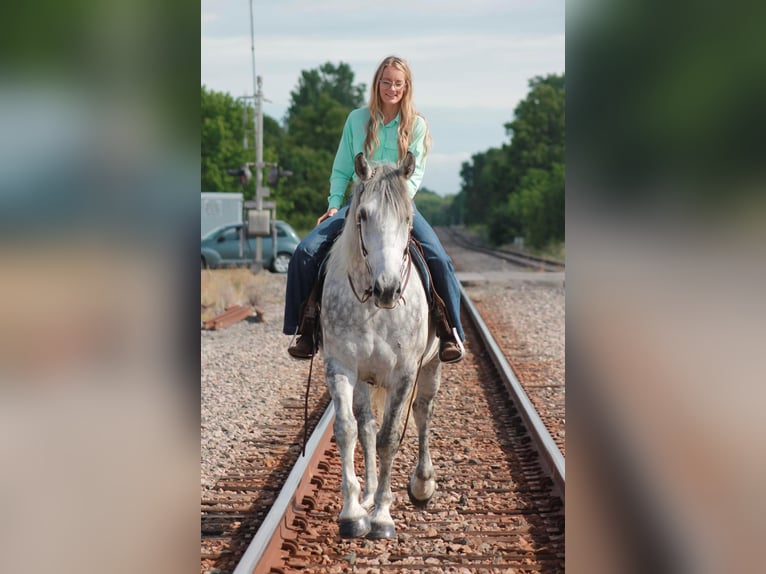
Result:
[221,140]
[518,189]
[319,125]
[434,208]
[539,203]
[337,82]
[537,130]
[314,123]
[226,122]
[303,196]
[536,161]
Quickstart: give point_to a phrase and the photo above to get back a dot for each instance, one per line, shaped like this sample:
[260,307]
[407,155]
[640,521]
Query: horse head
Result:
[383,213]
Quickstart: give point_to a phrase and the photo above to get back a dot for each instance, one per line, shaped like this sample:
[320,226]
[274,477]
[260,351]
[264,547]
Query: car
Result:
[222,247]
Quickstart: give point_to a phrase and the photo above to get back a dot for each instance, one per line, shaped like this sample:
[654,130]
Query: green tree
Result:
[314,123]
[318,125]
[539,203]
[433,207]
[221,140]
[302,197]
[537,130]
[520,182]
[335,81]
[226,124]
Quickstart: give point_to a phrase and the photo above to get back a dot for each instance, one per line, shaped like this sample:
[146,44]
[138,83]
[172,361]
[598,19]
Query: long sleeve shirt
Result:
[352,143]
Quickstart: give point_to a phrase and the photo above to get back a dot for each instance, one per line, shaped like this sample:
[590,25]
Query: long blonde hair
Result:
[407,112]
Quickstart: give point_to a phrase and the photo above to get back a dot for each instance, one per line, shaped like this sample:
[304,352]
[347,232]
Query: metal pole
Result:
[258,130]
[259,144]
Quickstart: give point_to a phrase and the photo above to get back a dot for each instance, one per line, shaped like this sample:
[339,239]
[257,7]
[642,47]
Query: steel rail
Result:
[549,451]
[278,516]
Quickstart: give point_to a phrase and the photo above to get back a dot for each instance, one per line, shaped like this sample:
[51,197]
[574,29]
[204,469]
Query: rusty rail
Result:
[276,527]
[232,315]
[546,446]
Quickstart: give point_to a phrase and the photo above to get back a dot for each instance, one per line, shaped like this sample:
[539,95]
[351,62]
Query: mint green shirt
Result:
[352,143]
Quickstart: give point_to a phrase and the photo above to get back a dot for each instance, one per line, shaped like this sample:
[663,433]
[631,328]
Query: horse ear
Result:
[361,167]
[408,165]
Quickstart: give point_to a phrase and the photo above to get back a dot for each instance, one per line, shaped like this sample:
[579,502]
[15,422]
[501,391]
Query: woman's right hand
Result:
[329,213]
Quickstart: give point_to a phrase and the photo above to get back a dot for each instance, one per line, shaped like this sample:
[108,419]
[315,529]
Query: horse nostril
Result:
[376,290]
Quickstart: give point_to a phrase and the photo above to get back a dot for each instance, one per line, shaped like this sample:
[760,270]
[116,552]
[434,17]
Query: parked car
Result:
[221,247]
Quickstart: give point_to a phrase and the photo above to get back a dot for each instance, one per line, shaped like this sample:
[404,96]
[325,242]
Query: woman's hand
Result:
[330,212]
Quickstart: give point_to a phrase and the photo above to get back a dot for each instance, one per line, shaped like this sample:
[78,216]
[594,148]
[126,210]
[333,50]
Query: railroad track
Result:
[498,505]
[515,257]
[233,513]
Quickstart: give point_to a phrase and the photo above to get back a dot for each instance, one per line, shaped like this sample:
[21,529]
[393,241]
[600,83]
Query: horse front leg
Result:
[367,428]
[353,521]
[382,525]
[422,484]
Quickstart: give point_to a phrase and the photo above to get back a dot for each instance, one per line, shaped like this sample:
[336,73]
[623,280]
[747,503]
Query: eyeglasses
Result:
[388,84]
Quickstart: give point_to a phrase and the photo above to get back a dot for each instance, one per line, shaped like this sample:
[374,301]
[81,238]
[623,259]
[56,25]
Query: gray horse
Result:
[377,343]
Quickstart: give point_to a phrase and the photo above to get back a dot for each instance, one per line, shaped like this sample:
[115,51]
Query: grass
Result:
[222,288]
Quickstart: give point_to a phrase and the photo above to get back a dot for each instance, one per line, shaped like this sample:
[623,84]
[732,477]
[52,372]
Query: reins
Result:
[308,388]
[412,399]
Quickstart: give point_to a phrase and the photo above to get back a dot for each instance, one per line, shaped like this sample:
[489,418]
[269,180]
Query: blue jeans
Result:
[304,268]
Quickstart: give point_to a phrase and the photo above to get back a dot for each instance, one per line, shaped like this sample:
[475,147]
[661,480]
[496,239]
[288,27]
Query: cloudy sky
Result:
[471,59]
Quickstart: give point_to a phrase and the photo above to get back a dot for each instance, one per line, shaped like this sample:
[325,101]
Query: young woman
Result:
[385,130]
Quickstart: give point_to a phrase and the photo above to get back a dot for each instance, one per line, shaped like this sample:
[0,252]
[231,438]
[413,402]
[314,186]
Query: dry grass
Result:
[222,288]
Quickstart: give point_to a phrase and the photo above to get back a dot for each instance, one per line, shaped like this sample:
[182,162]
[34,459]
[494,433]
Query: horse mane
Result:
[390,191]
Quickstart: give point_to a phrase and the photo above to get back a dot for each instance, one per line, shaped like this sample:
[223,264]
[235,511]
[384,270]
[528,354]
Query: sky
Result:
[471,60]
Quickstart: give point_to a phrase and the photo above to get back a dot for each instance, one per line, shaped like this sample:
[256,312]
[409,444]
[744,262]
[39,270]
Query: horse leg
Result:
[387,443]
[368,429]
[422,484]
[354,522]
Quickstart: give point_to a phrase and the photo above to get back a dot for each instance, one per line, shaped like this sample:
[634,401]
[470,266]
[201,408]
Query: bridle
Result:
[404,270]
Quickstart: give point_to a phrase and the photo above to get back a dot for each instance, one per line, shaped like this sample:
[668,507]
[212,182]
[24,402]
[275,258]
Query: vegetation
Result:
[518,189]
[222,288]
[514,191]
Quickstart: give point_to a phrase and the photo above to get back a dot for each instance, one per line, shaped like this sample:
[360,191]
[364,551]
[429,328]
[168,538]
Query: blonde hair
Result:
[407,112]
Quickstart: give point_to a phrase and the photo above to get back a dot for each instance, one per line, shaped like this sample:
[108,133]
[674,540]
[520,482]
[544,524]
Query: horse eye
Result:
[363,214]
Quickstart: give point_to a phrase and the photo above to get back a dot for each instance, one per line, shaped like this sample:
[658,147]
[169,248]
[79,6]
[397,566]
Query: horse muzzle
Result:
[386,294]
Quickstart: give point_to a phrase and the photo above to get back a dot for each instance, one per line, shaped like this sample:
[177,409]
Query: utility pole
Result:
[260,191]
[258,128]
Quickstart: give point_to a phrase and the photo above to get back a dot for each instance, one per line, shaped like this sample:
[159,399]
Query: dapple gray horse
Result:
[377,342]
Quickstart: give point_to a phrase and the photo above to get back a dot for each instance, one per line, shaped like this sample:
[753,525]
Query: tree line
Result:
[515,190]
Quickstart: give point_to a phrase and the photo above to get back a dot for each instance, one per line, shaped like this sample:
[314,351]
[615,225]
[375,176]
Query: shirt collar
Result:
[393,122]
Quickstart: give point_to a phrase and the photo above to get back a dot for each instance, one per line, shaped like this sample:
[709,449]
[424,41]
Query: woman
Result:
[385,130]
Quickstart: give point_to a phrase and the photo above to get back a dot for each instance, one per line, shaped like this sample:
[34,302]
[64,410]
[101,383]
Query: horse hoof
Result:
[383,531]
[416,502]
[354,528]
